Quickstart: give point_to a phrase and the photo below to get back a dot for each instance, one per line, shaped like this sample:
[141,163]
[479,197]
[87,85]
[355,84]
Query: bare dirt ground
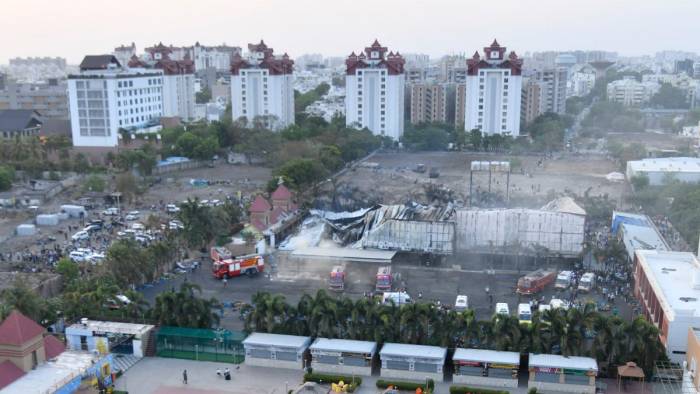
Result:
[652,140]
[532,183]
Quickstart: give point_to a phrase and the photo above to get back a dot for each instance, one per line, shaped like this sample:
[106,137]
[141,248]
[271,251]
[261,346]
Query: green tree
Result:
[475,139]
[24,299]
[94,183]
[185,308]
[669,97]
[302,173]
[197,220]
[203,96]
[7,176]
[68,270]
[426,137]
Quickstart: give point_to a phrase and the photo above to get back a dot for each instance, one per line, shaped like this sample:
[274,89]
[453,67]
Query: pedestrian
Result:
[184,376]
[225,282]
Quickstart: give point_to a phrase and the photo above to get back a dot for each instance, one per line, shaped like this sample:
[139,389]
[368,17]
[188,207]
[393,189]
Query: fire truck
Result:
[535,281]
[383,279]
[336,282]
[220,253]
[242,265]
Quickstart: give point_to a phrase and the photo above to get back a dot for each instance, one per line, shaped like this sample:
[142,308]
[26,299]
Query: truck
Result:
[243,265]
[535,281]
[587,282]
[219,253]
[563,280]
[384,279]
[336,282]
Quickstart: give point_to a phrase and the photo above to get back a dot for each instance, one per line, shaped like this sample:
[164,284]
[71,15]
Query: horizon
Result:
[436,29]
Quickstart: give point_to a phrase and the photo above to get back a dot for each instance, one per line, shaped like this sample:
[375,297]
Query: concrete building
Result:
[560,374]
[667,284]
[218,57]
[489,368]
[494,85]
[581,82]
[553,82]
[412,362]
[637,232]
[124,53]
[628,91]
[106,97]
[88,334]
[662,170]
[276,350]
[532,104]
[50,98]
[691,378]
[342,356]
[460,103]
[428,103]
[19,123]
[374,95]
[262,87]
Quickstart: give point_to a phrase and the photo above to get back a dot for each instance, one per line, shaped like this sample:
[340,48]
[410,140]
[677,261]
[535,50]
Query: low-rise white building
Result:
[560,374]
[412,362]
[276,350]
[342,356]
[630,92]
[491,368]
[667,285]
[662,170]
[106,97]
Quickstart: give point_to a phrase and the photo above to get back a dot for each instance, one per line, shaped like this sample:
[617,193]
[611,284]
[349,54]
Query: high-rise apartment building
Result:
[630,92]
[554,88]
[428,103]
[106,97]
[532,98]
[375,86]
[493,90]
[124,53]
[262,87]
[460,103]
[50,98]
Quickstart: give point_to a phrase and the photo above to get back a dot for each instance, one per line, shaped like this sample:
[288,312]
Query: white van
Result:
[525,313]
[502,308]
[587,282]
[557,303]
[563,280]
[461,303]
[399,298]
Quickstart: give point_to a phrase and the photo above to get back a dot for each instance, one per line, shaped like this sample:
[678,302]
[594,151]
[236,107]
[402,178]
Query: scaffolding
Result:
[412,236]
[200,344]
[670,378]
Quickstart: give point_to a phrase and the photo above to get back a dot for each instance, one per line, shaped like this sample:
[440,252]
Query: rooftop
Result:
[17,329]
[675,278]
[344,345]
[642,237]
[487,356]
[53,374]
[18,119]
[405,350]
[556,361]
[668,164]
[113,327]
[264,339]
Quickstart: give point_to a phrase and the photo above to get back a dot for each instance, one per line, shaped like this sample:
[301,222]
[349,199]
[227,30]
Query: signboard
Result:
[547,370]
[463,363]
[576,372]
[503,366]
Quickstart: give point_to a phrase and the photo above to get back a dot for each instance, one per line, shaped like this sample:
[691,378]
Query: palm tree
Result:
[505,330]
[137,306]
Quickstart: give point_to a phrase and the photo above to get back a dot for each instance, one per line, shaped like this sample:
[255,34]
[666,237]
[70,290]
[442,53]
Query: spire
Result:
[495,43]
[376,43]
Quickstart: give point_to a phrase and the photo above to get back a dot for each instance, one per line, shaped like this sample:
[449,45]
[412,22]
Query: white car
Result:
[172,208]
[175,225]
[95,258]
[111,211]
[502,308]
[131,217]
[81,235]
[77,256]
[461,303]
[138,226]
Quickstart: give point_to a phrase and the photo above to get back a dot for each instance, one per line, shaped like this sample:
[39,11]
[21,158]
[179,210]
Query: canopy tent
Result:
[629,370]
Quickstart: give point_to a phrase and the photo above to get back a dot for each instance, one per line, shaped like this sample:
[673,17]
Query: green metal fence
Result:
[200,344]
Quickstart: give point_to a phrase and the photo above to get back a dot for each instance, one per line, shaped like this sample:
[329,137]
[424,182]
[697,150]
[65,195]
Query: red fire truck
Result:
[336,282]
[384,279]
[535,281]
[237,266]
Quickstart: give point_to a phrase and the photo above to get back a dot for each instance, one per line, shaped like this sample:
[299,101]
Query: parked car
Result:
[172,208]
[81,235]
[78,256]
[461,303]
[131,217]
[92,228]
[112,211]
[138,226]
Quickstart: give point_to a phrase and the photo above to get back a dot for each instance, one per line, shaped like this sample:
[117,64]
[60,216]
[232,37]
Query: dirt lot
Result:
[532,182]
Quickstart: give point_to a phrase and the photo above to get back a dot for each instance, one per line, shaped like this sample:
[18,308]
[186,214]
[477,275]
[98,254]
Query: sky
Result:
[74,28]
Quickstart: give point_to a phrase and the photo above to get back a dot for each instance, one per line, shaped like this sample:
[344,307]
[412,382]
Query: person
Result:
[218,372]
[225,281]
[227,374]
[184,376]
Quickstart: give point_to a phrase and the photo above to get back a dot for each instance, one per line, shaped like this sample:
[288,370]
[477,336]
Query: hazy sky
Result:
[73,28]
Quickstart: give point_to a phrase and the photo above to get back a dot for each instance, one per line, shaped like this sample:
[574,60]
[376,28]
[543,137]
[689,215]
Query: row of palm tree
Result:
[573,332]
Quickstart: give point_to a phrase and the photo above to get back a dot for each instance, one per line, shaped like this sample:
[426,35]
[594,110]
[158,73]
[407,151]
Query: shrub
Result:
[403,385]
[474,390]
[353,382]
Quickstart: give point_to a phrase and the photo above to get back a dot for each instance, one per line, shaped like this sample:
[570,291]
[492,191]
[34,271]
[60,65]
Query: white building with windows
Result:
[374,85]
[493,90]
[106,97]
[262,87]
[630,92]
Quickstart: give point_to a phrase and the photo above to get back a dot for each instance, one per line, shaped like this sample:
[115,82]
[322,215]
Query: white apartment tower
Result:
[374,87]
[493,90]
[262,87]
[106,97]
